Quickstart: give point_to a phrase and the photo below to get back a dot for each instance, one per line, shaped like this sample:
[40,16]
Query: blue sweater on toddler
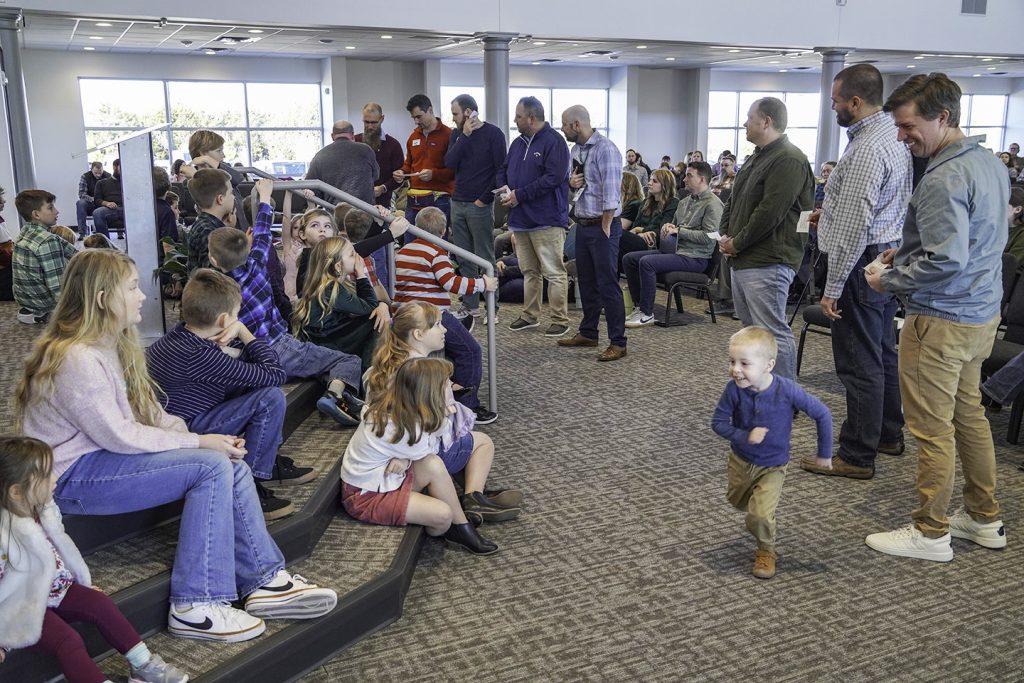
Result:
[741,410]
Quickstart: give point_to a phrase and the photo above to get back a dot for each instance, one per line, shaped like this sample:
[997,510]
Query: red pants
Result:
[64,643]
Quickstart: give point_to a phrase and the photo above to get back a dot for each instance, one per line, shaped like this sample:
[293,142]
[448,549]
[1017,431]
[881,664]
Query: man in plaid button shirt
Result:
[40,257]
[862,215]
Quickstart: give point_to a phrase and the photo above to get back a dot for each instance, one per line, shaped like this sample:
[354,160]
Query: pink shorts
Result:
[387,509]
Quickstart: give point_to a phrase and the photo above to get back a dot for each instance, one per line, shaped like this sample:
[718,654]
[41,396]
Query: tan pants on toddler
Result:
[756,490]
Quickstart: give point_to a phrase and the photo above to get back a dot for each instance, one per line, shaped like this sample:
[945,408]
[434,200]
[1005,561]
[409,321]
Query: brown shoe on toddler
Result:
[764,564]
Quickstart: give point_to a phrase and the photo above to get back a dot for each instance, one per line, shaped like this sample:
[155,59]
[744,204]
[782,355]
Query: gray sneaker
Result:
[156,670]
[522,324]
[556,330]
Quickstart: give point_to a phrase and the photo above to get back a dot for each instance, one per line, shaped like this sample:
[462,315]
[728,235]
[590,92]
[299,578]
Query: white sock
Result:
[138,656]
[280,578]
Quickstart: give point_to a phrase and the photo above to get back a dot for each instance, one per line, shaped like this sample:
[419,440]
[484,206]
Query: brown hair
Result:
[357,224]
[341,213]
[228,247]
[657,203]
[28,201]
[432,220]
[631,189]
[774,109]
[860,80]
[207,295]
[24,462]
[415,403]
[208,184]
[97,241]
[64,232]
[203,141]
[931,93]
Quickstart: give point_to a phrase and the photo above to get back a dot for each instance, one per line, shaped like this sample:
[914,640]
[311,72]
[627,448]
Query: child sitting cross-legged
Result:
[39,258]
[45,583]
[230,252]
[416,331]
[423,272]
[217,387]
[393,456]
[755,413]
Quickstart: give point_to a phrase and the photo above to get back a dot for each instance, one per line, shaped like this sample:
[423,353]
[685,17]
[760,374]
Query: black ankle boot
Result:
[479,504]
[466,536]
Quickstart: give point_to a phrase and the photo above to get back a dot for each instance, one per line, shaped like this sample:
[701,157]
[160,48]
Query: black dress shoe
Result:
[505,498]
[895,448]
[489,511]
[465,535]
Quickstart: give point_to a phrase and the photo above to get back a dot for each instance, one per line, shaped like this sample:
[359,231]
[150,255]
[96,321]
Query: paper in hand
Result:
[803,225]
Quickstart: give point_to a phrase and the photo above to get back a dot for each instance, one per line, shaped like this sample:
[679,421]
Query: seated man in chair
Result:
[697,216]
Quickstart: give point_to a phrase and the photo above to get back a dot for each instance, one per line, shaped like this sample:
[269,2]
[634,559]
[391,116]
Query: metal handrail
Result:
[464,255]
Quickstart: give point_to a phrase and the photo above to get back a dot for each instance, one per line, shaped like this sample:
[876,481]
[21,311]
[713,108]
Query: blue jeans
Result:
[760,297]
[598,276]
[256,415]
[415,203]
[305,360]
[224,549]
[473,230]
[103,217]
[465,354]
[1006,383]
[642,270]
[864,348]
[83,208]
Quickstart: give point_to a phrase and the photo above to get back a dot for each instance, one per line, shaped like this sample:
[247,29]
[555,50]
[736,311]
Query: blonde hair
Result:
[631,189]
[758,338]
[394,348]
[79,319]
[657,203]
[415,403]
[305,218]
[24,462]
[322,281]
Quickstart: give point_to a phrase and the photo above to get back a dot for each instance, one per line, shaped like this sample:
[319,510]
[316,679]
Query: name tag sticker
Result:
[416,143]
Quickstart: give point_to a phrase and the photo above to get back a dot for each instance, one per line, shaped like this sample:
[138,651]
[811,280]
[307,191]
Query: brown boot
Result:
[613,352]
[577,340]
[840,468]
[764,564]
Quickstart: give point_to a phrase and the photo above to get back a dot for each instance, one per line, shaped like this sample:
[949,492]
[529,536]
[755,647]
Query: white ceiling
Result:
[75,34]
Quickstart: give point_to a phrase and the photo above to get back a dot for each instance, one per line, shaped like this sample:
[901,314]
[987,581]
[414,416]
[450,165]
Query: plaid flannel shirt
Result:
[258,311]
[602,170]
[40,258]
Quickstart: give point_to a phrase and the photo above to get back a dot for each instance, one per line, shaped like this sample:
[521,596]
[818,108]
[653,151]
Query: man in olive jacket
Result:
[759,226]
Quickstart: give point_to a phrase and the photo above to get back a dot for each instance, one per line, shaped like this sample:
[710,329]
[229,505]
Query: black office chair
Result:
[698,283]
[1006,349]
[815,321]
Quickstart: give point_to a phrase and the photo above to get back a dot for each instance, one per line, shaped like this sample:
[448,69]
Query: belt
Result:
[588,221]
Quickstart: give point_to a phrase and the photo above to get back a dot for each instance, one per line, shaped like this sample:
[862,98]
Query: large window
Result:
[727,113]
[273,126]
[985,115]
[555,101]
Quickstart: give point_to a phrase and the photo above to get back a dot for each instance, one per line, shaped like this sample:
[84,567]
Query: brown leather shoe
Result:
[613,352]
[577,340]
[764,564]
[840,468]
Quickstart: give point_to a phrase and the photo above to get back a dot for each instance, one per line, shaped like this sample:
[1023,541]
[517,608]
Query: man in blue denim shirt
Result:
[946,274]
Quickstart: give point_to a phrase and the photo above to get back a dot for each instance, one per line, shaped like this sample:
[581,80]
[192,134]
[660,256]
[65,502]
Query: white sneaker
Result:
[908,541]
[461,312]
[990,535]
[640,322]
[156,670]
[635,315]
[289,596]
[213,621]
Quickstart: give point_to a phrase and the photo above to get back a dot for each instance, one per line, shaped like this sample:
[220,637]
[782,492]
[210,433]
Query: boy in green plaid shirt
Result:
[39,257]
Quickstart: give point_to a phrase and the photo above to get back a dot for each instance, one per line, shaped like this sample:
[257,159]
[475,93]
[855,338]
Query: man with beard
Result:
[387,149]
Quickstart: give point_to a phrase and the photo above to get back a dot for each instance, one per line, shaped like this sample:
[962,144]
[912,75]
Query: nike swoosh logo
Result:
[279,589]
[204,625]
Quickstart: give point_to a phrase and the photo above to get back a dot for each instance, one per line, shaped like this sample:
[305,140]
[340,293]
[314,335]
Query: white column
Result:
[832,62]
[140,228]
[17,103]
[496,80]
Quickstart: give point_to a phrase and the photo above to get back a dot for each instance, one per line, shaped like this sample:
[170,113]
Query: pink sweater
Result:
[89,411]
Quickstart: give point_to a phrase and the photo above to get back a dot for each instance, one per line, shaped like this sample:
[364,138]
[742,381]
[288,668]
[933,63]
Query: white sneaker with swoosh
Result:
[289,596]
[213,621]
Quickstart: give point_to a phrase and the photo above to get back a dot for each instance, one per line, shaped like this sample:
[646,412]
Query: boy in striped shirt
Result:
[423,272]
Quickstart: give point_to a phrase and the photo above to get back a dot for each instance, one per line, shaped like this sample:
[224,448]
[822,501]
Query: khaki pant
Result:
[940,374]
[756,490]
[540,258]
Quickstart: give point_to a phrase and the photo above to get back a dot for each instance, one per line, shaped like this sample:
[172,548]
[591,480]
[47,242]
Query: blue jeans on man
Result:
[642,270]
[467,358]
[224,550]
[103,219]
[864,348]
[760,296]
[416,203]
[257,415]
[83,209]
[473,230]
[597,273]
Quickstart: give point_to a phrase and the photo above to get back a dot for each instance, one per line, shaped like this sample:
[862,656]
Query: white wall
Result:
[1015,113]
[768,81]
[390,84]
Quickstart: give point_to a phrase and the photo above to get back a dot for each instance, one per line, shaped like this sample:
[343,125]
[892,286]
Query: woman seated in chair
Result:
[631,198]
[656,211]
[696,217]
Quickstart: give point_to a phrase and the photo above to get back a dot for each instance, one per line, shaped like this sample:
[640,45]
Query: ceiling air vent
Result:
[549,60]
[973,6]
[598,53]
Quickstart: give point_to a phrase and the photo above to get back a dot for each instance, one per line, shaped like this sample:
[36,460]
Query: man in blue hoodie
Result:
[534,183]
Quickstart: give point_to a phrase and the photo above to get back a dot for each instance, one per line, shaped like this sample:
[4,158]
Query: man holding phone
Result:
[476,150]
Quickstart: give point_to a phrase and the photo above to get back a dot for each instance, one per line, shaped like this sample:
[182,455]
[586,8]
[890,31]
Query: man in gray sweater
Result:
[346,164]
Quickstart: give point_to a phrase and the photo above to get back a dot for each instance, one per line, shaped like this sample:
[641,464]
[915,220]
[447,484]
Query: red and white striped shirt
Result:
[423,272]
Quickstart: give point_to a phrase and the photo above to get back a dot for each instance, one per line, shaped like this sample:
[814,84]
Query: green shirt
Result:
[40,258]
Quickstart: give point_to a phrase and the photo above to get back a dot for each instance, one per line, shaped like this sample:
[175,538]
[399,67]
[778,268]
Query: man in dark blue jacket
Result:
[475,153]
[534,183]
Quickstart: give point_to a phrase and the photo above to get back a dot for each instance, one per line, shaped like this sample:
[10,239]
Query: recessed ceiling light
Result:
[104,24]
[919,57]
[993,68]
[987,59]
[735,51]
[255,30]
[386,37]
[782,71]
[911,66]
[641,47]
[539,42]
[774,61]
[670,59]
[88,48]
[210,52]
[535,63]
[976,75]
[95,37]
[350,47]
